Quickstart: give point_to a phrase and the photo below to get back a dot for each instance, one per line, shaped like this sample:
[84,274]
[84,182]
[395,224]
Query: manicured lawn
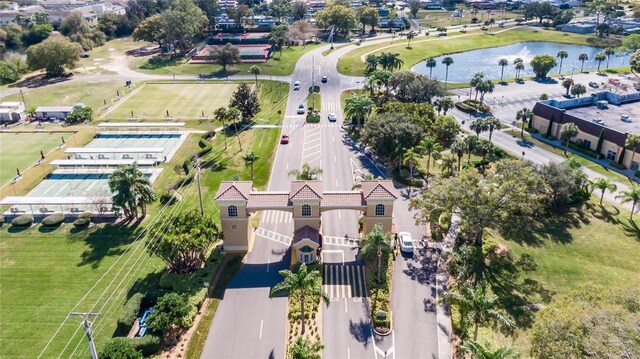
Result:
[21,150]
[90,93]
[591,244]
[44,274]
[278,64]
[182,101]
[433,46]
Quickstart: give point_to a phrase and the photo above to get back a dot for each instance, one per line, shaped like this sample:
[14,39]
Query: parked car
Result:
[332,117]
[406,243]
[301,109]
[593,85]
[296,86]
[284,139]
[85,55]
[324,79]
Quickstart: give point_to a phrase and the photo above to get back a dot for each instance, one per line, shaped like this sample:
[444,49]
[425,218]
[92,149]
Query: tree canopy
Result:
[385,131]
[409,86]
[225,55]
[342,17]
[542,64]
[172,309]
[41,56]
[246,101]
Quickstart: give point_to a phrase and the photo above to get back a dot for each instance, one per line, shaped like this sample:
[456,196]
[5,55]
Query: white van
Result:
[296,86]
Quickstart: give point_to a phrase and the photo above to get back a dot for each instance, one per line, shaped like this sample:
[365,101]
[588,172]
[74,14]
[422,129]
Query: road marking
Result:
[268,264]
[348,353]
[261,322]
[336,182]
[335,159]
[333,138]
[339,215]
[287,166]
[345,305]
[349,273]
[393,344]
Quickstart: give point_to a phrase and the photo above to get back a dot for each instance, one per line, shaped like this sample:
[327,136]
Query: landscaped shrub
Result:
[313,118]
[479,163]
[119,348]
[531,130]
[471,106]
[1,220]
[85,215]
[637,174]
[205,147]
[53,220]
[190,283]
[617,165]
[129,314]
[147,345]
[170,197]
[81,222]
[26,220]
[586,151]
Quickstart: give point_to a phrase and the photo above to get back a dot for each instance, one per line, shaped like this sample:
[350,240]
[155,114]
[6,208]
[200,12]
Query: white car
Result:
[406,243]
[332,117]
[301,109]
[296,86]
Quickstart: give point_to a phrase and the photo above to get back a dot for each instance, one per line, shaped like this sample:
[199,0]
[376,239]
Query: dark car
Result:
[284,139]
[85,55]
[324,79]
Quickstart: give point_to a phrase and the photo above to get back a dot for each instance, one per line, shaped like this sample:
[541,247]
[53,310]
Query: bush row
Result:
[583,150]
[129,314]
[53,220]
[617,165]
[26,220]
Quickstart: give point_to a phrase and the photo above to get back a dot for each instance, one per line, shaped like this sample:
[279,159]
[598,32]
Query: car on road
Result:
[284,139]
[324,79]
[406,243]
[593,85]
[301,109]
[332,117]
[85,55]
[296,86]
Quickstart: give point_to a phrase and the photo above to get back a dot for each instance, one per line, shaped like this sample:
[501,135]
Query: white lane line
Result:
[268,264]
[336,182]
[345,305]
[339,215]
[287,166]
[311,147]
[348,353]
[393,343]
[261,322]
[335,159]
[333,138]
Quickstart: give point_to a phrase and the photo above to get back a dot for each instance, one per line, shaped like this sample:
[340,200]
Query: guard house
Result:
[306,201]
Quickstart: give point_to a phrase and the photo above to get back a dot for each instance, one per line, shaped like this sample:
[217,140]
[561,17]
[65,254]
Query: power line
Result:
[86,324]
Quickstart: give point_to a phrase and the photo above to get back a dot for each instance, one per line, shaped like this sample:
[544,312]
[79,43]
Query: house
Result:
[8,17]
[11,112]
[604,121]
[55,112]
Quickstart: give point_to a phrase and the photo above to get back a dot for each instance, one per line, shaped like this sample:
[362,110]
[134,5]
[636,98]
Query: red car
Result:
[284,139]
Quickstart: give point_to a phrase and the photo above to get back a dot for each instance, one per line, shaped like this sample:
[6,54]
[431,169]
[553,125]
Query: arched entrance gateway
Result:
[306,201]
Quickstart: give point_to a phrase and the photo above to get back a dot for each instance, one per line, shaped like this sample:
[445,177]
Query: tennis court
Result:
[21,150]
[169,142]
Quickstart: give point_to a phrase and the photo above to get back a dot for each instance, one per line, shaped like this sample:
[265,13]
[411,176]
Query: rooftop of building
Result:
[611,117]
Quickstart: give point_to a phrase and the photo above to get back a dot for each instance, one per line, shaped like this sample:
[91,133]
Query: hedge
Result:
[205,147]
[53,220]
[191,282]
[1,219]
[81,222]
[85,215]
[471,106]
[313,118]
[617,165]
[26,220]
[586,151]
[170,197]
[147,345]
[129,314]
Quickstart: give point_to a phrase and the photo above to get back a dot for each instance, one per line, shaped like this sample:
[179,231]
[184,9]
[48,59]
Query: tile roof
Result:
[342,199]
[234,191]
[268,199]
[378,189]
[306,190]
[306,232]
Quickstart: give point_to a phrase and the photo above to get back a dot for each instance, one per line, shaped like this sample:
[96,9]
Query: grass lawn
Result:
[183,101]
[588,244]
[422,48]
[437,18]
[91,93]
[44,274]
[21,150]
[278,64]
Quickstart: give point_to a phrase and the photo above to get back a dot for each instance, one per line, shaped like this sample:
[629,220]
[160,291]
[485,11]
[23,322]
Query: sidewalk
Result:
[443,315]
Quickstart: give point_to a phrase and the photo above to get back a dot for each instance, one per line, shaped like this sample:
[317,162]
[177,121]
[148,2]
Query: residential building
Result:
[55,112]
[604,120]
[11,112]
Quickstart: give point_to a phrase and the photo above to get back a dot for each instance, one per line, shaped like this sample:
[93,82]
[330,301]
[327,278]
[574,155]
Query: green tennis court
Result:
[21,150]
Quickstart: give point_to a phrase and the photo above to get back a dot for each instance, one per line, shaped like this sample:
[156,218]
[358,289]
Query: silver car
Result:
[406,242]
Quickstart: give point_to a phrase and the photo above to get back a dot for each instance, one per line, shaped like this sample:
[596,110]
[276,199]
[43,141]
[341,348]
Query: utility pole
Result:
[199,189]
[23,101]
[86,324]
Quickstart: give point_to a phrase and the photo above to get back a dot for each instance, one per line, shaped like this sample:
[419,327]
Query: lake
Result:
[466,64]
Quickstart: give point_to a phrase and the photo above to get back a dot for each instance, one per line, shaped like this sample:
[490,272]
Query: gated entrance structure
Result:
[306,201]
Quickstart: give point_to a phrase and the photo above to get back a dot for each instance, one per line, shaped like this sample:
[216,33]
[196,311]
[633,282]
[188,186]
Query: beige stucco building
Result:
[306,201]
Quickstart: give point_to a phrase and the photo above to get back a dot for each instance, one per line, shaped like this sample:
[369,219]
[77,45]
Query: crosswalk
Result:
[273,236]
[344,281]
[330,106]
[340,241]
[276,217]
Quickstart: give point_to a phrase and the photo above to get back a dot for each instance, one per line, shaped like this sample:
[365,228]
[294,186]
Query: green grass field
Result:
[423,48]
[588,244]
[183,101]
[279,64]
[21,150]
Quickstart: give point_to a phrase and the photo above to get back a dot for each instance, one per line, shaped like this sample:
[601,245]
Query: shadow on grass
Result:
[40,81]
[602,213]
[105,241]
[16,229]
[160,61]
[48,229]
[631,229]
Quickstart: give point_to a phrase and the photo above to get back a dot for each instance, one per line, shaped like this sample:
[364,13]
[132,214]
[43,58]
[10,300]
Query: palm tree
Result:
[582,58]
[478,351]
[567,83]
[358,106]
[519,68]
[478,126]
[562,55]
[409,158]
[485,87]
[390,61]
[444,104]
[304,348]
[447,61]
[303,281]
[473,84]
[376,244]
[447,164]
[632,142]
[502,63]
[131,189]
[632,196]
[600,56]
[485,148]
[255,71]
[306,172]
[372,63]
[609,51]
[458,148]
[604,184]
[249,159]
[525,115]
[493,123]
[470,143]
[568,131]
[476,307]
[431,63]
[429,146]
[409,37]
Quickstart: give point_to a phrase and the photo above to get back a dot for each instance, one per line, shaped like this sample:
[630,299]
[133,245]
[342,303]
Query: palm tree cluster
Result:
[131,190]
[483,124]
[386,61]
[519,64]
[525,115]
[358,107]
[306,172]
